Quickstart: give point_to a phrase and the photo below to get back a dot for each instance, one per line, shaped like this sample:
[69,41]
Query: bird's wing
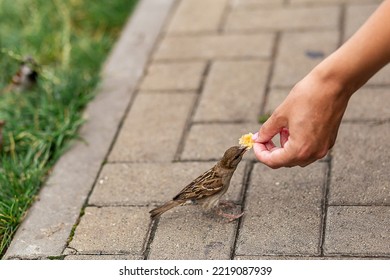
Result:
[205,185]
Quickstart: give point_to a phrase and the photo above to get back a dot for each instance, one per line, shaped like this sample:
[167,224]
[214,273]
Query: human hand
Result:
[307,121]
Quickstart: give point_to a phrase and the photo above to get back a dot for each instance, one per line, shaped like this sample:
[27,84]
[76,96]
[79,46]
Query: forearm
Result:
[364,54]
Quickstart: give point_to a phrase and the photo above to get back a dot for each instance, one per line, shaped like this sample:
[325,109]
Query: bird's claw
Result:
[230,217]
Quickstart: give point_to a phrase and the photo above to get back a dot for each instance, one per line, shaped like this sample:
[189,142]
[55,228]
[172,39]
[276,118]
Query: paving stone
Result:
[237,4]
[145,183]
[360,171]
[153,128]
[299,52]
[275,98]
[321,2]
[187,233]
[234,91]
[355,17]
[283,257]
[358,230]
[197,16]
[103,257]
[173,76]
[366,104]
[46,229]
[369,103]
[215,46]
[286,18]
[283,211]
[112,230]
[210,141]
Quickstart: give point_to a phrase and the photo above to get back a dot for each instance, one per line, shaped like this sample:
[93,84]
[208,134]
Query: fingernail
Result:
[255,136]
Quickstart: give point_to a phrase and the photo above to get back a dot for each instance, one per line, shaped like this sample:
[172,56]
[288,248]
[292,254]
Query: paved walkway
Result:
[216,66]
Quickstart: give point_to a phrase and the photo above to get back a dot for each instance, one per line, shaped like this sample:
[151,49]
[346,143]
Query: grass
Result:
[69,39]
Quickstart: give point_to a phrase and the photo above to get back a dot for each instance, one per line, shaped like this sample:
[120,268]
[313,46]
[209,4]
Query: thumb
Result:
[270,128]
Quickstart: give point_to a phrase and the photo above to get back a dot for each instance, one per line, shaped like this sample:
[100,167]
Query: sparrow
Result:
[2,123]
[208,188]
[25,78]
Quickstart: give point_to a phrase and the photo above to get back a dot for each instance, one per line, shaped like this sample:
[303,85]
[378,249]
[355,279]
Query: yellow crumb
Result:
[246,140]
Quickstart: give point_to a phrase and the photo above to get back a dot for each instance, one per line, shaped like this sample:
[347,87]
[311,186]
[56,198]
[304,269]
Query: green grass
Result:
[69,39]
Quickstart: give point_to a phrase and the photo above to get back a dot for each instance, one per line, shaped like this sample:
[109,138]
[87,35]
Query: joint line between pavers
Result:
[367,121]
[324,206]
[216,58]
[222,122]
[358,205]
[149,238]
[267,89]
[167,91]
[189,121]
[126,112]
[342,23]
[224,17]
[246,181]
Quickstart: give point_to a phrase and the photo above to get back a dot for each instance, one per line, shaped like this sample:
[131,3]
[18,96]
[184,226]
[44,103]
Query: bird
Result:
[25,78]
[208,188]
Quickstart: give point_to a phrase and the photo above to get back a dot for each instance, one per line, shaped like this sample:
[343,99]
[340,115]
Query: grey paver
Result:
[234,91]
[215,46]
[355,16]
[283,211]
[366,104]
[194,16]
[152,130]
[249,4]
[284,257]
[209,141]
[296,18]
[50,220]
[112,230]
[173,76]
[321,2]
[360,171]
[299,53]
[188,233]
[154,156]
[275,98]
[103,257]
[369,103]
[140,184]
[358,230]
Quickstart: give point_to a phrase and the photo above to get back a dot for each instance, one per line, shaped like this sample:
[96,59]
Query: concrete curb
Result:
[48,225]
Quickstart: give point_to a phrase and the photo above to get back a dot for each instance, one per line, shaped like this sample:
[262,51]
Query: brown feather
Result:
[156,212]
[208,188]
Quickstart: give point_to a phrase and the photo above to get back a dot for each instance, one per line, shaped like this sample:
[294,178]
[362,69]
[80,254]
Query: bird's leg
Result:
[227,204]
[230,217]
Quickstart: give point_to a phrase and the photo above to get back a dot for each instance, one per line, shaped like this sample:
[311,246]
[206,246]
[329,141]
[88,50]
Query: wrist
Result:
[337,75]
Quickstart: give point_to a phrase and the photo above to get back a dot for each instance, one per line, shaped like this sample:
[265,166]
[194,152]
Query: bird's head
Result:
[233,156]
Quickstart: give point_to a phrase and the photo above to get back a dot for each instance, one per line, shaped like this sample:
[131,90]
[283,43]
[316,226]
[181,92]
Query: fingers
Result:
[284,134]
[270,128]
[272,156]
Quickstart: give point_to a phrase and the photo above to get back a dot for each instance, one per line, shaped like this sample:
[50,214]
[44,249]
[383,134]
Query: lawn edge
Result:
[49,222]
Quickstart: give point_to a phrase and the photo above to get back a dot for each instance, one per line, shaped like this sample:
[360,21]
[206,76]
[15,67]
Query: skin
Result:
[309,118]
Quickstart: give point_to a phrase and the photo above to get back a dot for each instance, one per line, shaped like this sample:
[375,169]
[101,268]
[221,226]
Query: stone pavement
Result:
[216,67]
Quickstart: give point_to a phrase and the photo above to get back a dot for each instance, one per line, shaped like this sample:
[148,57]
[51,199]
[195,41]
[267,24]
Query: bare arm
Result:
[309,118]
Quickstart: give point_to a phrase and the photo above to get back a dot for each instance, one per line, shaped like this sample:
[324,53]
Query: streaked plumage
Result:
[208,188]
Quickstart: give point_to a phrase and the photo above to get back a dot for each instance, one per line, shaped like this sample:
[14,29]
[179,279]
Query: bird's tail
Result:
[156,212]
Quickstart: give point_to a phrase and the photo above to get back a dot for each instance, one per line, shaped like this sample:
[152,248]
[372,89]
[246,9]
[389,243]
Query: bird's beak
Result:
[243,150]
